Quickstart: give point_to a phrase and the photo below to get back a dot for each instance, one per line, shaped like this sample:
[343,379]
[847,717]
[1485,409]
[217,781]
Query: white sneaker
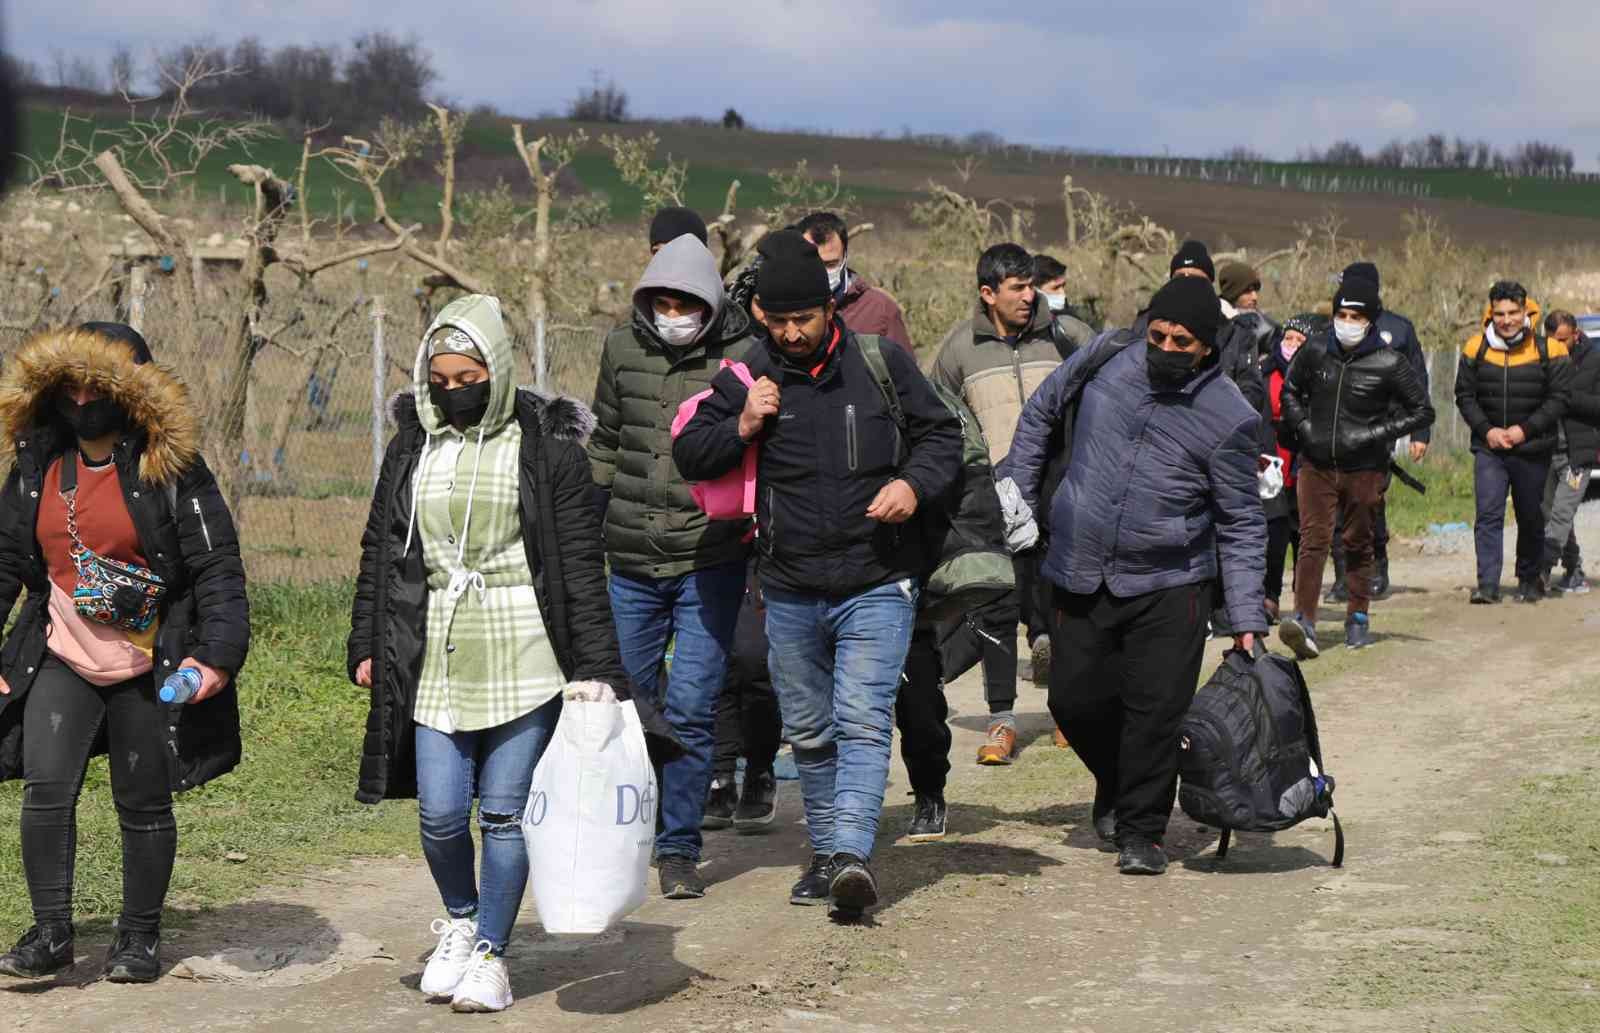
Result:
[449,961]
[486,986]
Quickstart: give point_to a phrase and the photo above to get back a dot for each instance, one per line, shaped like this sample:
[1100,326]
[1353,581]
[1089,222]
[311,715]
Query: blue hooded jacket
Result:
[1158,483]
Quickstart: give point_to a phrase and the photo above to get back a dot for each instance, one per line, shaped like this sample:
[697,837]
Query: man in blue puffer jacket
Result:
[1160,487]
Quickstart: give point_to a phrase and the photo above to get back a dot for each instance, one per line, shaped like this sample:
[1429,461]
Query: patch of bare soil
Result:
[1018,920]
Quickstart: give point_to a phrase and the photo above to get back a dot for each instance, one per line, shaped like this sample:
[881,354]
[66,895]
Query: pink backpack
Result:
[733,495]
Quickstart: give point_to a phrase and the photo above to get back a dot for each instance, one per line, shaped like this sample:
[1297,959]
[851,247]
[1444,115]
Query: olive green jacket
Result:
[652,526]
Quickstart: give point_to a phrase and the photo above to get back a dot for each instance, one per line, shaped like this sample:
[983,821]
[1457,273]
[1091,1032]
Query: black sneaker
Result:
[680,879]
[1357,631]
[720,804]
[1338,594]
[134,958]
[927,823]
[1529,592]
[1141,857]
[1483,595]
[852,886]
[812,889]
[1105,826]
[1575,583]
[758,802]
[43,950]
[1300,636]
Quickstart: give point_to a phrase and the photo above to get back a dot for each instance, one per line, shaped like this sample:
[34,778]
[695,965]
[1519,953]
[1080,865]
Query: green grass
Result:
[1448,476]
[289,807]
[1520,942]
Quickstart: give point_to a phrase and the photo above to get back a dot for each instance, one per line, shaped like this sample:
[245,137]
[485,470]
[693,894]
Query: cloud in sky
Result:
[1138,76]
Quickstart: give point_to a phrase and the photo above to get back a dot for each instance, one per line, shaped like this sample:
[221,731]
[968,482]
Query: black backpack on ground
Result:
[1249,755]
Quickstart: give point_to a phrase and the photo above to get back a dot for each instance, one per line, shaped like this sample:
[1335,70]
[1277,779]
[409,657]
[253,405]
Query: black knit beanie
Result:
[1191,303]
[124,333]
[671,223]
[1193,254]
[1307,324]
[1363,270]
[792,276]
[1358,293]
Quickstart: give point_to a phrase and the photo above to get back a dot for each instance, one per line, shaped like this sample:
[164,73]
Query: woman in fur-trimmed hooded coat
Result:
[73,684]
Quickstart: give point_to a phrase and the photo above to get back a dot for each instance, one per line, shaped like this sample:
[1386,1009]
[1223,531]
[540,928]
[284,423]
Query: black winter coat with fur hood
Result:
[185,532]
[561,533]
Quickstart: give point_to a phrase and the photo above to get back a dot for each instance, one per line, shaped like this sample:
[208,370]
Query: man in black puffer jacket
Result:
[842,551]
[1512,386]
[1348,397]
[1574,460]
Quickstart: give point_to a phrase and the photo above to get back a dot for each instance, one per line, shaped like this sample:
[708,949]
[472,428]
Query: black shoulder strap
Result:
[69,472]
[1483,349]
[1543,345]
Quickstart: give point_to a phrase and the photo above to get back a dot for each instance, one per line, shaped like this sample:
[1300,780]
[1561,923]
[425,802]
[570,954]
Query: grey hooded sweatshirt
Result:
[653,528]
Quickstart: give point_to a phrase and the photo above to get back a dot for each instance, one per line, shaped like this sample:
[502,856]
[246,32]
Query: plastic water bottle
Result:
[180,686]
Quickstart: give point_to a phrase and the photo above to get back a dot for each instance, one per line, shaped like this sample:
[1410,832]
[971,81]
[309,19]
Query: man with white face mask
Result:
[864,308]
[1512,388]
[673,572]
[1347,398]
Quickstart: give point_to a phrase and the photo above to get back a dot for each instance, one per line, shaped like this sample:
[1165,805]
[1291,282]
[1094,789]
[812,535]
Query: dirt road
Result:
[1019,919]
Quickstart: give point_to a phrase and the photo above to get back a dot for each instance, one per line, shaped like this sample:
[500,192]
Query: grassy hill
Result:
[885,176]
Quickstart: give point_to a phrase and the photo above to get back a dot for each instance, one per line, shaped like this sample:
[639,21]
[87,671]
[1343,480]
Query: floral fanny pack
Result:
[123,595]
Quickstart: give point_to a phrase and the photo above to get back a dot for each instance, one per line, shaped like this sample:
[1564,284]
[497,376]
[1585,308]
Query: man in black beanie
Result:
[1397,332]
[1158,501]
[842,477]
[1193,259]
[1236,356]
[673,222]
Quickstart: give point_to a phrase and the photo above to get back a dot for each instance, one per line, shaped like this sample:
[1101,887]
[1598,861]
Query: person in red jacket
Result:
[1283,512]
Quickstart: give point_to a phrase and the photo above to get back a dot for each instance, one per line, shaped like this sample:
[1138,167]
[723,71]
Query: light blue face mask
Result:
[1349,332]
[1057,302]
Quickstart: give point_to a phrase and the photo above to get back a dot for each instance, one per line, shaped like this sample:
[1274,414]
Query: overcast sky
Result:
[1120,75]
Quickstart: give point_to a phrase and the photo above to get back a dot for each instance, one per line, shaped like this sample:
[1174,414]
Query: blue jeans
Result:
[496,765]
[697,612]
[836,669]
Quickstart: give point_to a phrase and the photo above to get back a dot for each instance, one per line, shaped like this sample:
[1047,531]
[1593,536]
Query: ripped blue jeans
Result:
[495,765]
[836,667]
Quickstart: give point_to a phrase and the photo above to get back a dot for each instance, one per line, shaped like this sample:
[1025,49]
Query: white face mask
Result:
[679,329]
[835,276]
[1057,302]
[1350,332]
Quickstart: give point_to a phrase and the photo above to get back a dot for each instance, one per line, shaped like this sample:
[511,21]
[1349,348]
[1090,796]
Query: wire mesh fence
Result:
[325,371]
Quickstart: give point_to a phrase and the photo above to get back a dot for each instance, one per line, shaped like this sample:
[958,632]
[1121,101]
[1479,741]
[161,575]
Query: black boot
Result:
[1338,592]
[1380,580]
[43,950]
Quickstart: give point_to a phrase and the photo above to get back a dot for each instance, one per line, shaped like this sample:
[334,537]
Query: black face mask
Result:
[1169,370]
[91,420]
[462,407]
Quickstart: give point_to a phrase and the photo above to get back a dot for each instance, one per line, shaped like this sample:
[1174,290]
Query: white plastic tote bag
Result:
[590,822]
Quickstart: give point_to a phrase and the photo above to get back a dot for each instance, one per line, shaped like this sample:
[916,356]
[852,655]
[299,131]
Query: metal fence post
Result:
[538,354]
[377,387]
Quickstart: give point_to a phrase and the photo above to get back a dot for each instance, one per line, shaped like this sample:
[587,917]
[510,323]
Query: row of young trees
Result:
[1435,151]
[377,75]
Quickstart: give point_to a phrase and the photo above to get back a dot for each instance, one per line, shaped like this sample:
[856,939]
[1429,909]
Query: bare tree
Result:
[660,185]
[544,159]
[122,69]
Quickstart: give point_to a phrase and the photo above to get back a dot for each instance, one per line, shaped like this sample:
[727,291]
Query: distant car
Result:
[1590,325]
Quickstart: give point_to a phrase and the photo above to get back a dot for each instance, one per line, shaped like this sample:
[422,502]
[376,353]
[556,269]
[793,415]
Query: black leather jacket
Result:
[1348,408]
